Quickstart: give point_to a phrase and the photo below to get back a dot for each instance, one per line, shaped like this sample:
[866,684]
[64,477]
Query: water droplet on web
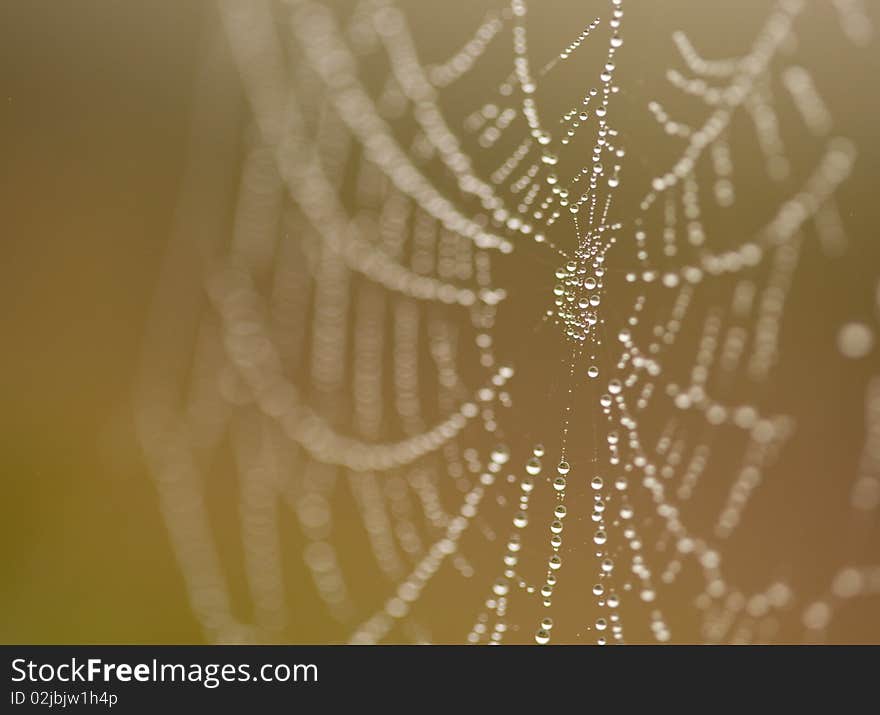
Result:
[500,454]
[855,340]
[542,637]
[500,587]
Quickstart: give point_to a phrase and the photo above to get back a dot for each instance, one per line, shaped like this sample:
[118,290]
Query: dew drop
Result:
[500,454]
[500,587]
[855,340]
[542,637]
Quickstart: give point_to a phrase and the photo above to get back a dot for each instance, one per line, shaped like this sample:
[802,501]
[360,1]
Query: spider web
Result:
[415,244]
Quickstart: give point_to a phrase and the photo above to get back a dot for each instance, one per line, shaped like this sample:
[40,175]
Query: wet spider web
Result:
[473,360]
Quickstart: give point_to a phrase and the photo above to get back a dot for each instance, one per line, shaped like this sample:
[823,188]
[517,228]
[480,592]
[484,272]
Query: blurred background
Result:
[126,124]
[95,123]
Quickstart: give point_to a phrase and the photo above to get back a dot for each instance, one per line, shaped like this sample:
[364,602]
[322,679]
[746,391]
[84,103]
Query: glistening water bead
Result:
[500,454]
[542,637]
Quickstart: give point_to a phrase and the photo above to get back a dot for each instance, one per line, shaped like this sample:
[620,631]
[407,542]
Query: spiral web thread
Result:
[359,277]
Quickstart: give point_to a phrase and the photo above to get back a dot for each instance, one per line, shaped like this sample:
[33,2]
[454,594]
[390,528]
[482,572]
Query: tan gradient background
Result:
[95,101]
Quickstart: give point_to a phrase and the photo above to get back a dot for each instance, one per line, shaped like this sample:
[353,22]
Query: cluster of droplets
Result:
[496,605]
[566,53]
[554,561]
[578,295]
[607,599]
